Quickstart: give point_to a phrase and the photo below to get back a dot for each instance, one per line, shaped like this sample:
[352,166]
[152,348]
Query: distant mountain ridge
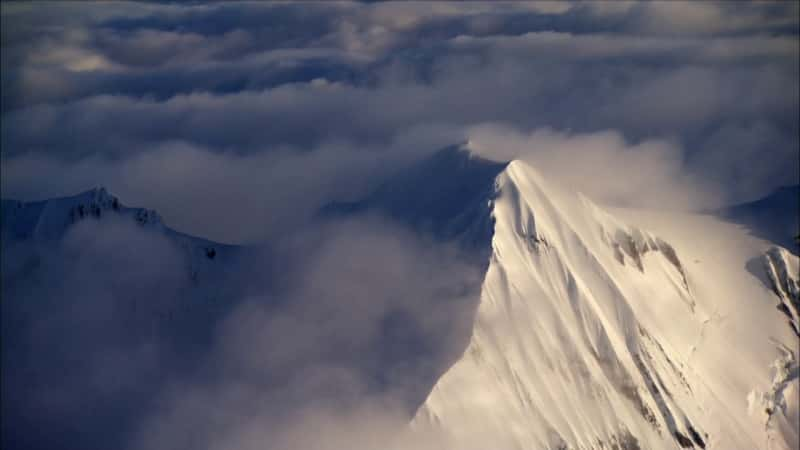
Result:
[775,217]
[50,219]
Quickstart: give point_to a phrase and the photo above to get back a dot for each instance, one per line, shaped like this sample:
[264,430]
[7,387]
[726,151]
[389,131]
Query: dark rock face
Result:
[696,437]
[683,441]
[779,277]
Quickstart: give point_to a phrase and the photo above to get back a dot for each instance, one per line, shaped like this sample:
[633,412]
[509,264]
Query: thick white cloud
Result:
[649,174]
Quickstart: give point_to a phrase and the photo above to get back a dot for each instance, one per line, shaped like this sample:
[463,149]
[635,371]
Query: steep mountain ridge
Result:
[590,334]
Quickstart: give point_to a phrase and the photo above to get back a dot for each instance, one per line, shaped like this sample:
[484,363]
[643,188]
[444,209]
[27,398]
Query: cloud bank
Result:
[351,91]
[343,328]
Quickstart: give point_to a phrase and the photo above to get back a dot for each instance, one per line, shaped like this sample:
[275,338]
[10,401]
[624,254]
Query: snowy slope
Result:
[594,334]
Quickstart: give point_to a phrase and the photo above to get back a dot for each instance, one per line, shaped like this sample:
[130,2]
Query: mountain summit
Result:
[594,334]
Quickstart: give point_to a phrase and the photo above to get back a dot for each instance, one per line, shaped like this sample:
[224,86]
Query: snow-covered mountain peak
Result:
[95,202]
[591,333]
[35,228]
[535,196]
[50,219]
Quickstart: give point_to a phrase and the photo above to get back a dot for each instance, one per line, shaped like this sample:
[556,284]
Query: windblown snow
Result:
[594,334]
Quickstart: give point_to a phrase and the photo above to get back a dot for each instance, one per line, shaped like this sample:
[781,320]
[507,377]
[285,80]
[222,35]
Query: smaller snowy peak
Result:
[97,201]
[782,269]
[49,219]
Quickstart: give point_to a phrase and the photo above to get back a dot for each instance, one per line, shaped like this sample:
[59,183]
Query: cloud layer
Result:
[272,93]
[109,342]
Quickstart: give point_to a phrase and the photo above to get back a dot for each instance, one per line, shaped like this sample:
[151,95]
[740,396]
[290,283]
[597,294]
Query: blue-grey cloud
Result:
[82,84]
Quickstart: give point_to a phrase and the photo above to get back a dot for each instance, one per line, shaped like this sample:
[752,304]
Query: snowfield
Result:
[594,334]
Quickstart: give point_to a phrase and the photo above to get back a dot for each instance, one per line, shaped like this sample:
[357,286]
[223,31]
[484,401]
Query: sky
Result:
[237,122]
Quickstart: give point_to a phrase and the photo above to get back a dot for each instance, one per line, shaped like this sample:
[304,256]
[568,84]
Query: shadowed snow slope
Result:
[594,334]
[775,217]
[445,196]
